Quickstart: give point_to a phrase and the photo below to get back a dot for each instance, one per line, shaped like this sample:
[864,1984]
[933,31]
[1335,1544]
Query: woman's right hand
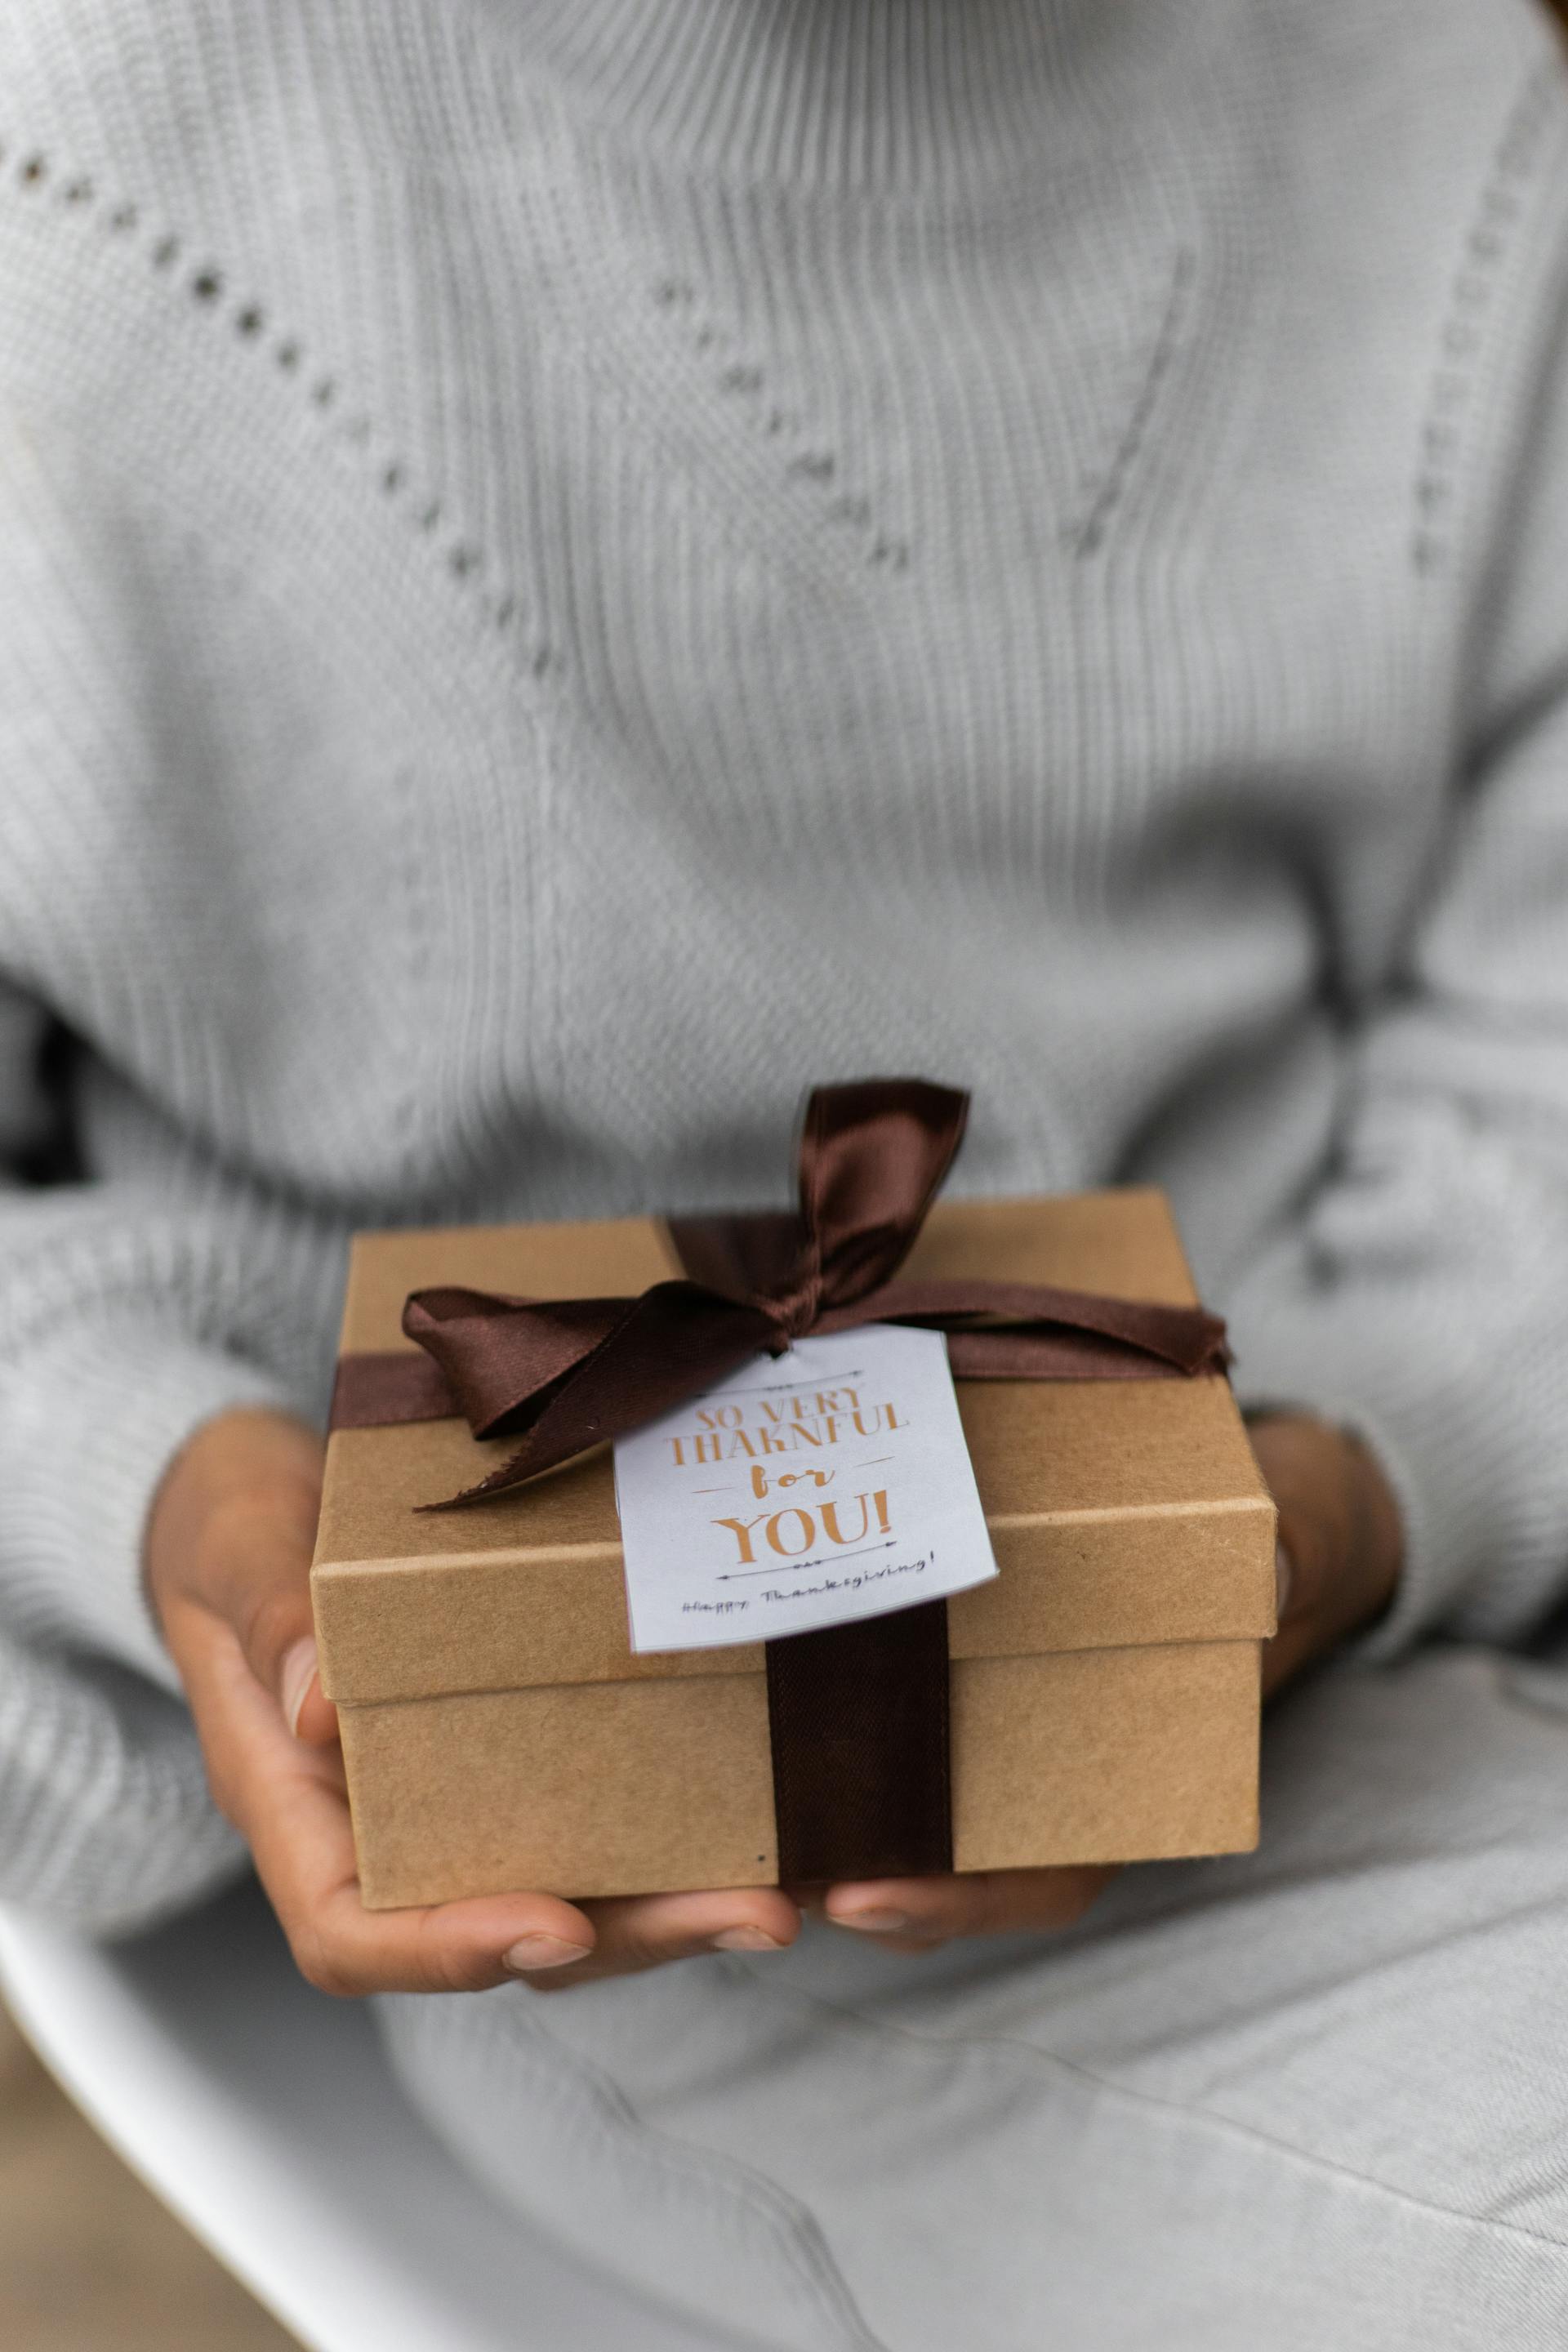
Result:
[229,1541]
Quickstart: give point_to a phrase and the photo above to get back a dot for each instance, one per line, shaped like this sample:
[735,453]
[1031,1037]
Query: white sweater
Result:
[569,567]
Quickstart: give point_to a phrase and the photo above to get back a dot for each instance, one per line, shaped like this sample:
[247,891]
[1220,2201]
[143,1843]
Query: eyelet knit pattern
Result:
[1462,340]
[206,286]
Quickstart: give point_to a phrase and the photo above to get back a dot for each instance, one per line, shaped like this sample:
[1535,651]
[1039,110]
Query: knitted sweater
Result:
[570,567]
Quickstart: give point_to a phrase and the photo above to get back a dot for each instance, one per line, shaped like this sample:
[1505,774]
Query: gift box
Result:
[1103,1692]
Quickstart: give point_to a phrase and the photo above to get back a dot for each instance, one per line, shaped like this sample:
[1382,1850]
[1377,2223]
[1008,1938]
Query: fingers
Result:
[290,1803]
[230,1548]
[1296,1638]
[307,1710]
[647,1931]
[343,1949]
[911,1915]
[1339,1529]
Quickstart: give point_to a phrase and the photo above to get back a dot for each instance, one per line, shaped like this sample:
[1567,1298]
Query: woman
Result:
[570,570]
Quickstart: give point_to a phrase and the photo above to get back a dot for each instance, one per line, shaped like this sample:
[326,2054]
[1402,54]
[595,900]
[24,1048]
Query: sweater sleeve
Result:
[1420,1293]
[105,1819]
[161,1289]
[124,1330]
[140,1296]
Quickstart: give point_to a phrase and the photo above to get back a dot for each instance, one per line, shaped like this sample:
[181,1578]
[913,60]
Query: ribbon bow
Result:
[569,1373]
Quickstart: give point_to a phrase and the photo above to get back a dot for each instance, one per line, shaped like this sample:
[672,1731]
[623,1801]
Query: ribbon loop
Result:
[873,1156]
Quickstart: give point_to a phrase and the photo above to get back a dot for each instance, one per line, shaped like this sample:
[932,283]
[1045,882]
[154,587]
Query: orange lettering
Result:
[742,1531]
[830,1526]
[808,1533]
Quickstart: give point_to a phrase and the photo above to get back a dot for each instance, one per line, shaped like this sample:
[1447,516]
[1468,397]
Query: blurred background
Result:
[88,2260]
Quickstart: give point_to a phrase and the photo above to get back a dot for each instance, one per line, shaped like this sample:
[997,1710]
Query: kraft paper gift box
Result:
[498,1732]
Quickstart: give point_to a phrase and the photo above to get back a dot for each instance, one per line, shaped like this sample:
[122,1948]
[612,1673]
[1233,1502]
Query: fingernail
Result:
[873,1922]
[298,1672]
[531,1952]
[1284,1577]
[745,1939]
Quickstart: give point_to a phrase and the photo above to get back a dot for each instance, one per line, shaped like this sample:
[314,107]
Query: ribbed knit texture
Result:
[569,567]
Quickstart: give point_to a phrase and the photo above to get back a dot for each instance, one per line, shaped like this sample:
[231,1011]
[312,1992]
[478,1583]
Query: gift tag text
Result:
[805,1490]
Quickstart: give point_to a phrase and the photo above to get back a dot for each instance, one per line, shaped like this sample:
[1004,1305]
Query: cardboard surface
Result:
[500,1732]
[1090,1756]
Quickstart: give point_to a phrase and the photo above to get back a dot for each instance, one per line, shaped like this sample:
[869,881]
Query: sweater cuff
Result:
[97,1417]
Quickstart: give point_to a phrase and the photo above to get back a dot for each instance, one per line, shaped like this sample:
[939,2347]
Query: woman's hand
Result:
[228,1554]
[1340,1551]
[229,1541]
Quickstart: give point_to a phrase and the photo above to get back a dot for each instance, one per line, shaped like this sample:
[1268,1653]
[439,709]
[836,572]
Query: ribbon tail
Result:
[1033,1330]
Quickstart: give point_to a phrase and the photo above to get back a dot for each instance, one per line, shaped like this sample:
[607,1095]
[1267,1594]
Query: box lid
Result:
[1120,1511]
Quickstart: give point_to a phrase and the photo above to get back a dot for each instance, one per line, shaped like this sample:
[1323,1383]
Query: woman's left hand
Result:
[1339,1561]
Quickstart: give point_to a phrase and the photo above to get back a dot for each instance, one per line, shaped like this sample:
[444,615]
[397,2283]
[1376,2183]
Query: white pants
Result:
[1309,2100]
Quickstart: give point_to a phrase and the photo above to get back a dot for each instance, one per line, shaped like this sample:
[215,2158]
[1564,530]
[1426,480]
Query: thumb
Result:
[260,1546]
[230,1550]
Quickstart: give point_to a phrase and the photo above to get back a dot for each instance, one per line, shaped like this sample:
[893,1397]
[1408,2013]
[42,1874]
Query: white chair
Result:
[264,2115]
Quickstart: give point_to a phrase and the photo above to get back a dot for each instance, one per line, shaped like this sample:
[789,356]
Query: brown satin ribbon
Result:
[566,1374]
[859,1713]
[857,1722]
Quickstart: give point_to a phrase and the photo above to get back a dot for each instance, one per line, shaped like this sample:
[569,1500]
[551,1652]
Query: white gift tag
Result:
[805,1490]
